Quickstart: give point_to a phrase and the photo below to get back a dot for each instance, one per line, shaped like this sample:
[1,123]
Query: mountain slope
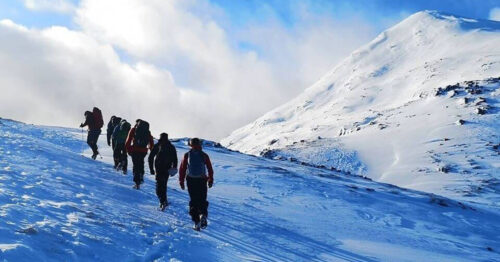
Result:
[56,205]
[393,111]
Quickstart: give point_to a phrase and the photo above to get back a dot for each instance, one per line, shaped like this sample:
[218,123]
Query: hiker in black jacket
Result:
[163,162]
[94,122]
[109,130]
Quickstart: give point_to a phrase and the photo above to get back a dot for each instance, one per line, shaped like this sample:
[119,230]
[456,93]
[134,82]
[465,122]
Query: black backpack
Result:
[142,134]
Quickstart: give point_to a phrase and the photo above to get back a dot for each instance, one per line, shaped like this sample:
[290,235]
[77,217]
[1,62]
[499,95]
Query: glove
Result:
[210,183]
[172,171]
[182,185]
[81,125]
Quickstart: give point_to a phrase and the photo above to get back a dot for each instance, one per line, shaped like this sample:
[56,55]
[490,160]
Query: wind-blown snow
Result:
[57,205]
[379,112]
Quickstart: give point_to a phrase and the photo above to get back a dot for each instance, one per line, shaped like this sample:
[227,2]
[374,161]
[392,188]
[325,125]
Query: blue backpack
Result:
[196,164]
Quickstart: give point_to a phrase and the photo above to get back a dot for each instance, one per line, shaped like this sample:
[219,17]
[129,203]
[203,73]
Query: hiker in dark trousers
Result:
[93,120]
[163,162]
[119,138]
[193,169]
[139,139]
[116,122]
[109,130]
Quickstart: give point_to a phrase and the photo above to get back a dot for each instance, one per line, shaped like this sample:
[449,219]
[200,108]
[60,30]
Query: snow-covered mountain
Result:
[57,205]
[417,107]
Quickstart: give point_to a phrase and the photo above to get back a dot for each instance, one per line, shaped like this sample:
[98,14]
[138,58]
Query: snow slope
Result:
[390,110]
[57,205]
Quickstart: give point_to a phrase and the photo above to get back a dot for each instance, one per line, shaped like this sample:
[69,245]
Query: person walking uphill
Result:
[109,130]
[119,138]
[138,140]
[193,169]
[94,122]
[163,162]
[112,124]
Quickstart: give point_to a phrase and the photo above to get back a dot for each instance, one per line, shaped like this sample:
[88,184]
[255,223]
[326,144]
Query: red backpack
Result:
[99,122]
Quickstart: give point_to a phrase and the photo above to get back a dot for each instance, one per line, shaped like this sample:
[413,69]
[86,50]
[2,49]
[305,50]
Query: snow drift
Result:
[417,107]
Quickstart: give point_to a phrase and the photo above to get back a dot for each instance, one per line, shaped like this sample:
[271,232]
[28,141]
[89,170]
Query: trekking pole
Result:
[81,147]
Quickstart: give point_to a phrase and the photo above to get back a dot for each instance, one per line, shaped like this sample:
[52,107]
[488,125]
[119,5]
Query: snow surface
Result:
[379,114]
[57,205]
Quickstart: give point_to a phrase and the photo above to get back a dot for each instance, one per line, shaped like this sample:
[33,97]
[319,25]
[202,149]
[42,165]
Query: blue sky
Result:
[242,12]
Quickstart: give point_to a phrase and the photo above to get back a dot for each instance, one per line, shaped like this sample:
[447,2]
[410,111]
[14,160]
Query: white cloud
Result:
[58,6]
[186,76]
[495,14]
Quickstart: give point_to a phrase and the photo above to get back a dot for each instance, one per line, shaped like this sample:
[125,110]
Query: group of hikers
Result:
[195,168]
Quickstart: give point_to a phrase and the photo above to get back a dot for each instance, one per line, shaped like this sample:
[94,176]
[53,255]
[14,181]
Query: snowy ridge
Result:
[378,112]
[57,205]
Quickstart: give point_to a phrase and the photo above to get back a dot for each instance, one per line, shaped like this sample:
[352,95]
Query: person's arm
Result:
[128,144]
[151,142]
[151,159]
[109,132]
[175,162]
[208,163]
[182,170]
[87,121]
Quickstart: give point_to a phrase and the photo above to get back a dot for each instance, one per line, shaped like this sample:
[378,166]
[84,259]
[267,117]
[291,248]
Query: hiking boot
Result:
[197,226]
[125,172]
[203,221]
[136,186]
[94,156]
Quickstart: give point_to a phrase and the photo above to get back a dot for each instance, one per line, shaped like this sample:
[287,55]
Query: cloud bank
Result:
[495,14]
[173,63]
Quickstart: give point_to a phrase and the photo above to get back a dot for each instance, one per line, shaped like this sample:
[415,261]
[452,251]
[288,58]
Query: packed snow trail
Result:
[57,205]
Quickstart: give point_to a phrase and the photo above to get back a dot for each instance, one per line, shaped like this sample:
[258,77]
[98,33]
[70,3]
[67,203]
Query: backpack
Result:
[196,163]
[121,133]
[98,121]
[125,126]
[142,134]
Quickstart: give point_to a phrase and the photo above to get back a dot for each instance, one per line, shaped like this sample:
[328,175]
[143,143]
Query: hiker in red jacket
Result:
[195,165]
[139,139]
[94,122]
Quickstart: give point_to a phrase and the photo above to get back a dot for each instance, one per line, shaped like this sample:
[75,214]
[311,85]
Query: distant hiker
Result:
[109,130]
[163,162]
[119,138]
[195,165]
[138,140]
[94,122]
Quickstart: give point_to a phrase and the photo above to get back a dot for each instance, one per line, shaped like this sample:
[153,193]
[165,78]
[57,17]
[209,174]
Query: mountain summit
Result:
[416,107]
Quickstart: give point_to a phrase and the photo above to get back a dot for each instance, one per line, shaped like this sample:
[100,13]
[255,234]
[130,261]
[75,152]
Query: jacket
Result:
[162,158]
[184,166]
[109,131]
[134,148]
[90,122]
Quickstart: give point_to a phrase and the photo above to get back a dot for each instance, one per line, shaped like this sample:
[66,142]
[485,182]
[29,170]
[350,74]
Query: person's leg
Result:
[166,183]
[161,188]
[193,196]
[203,198]
[95,138]
[135,167]
[123,157]
[141,166]
[91,138]
[116,155]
